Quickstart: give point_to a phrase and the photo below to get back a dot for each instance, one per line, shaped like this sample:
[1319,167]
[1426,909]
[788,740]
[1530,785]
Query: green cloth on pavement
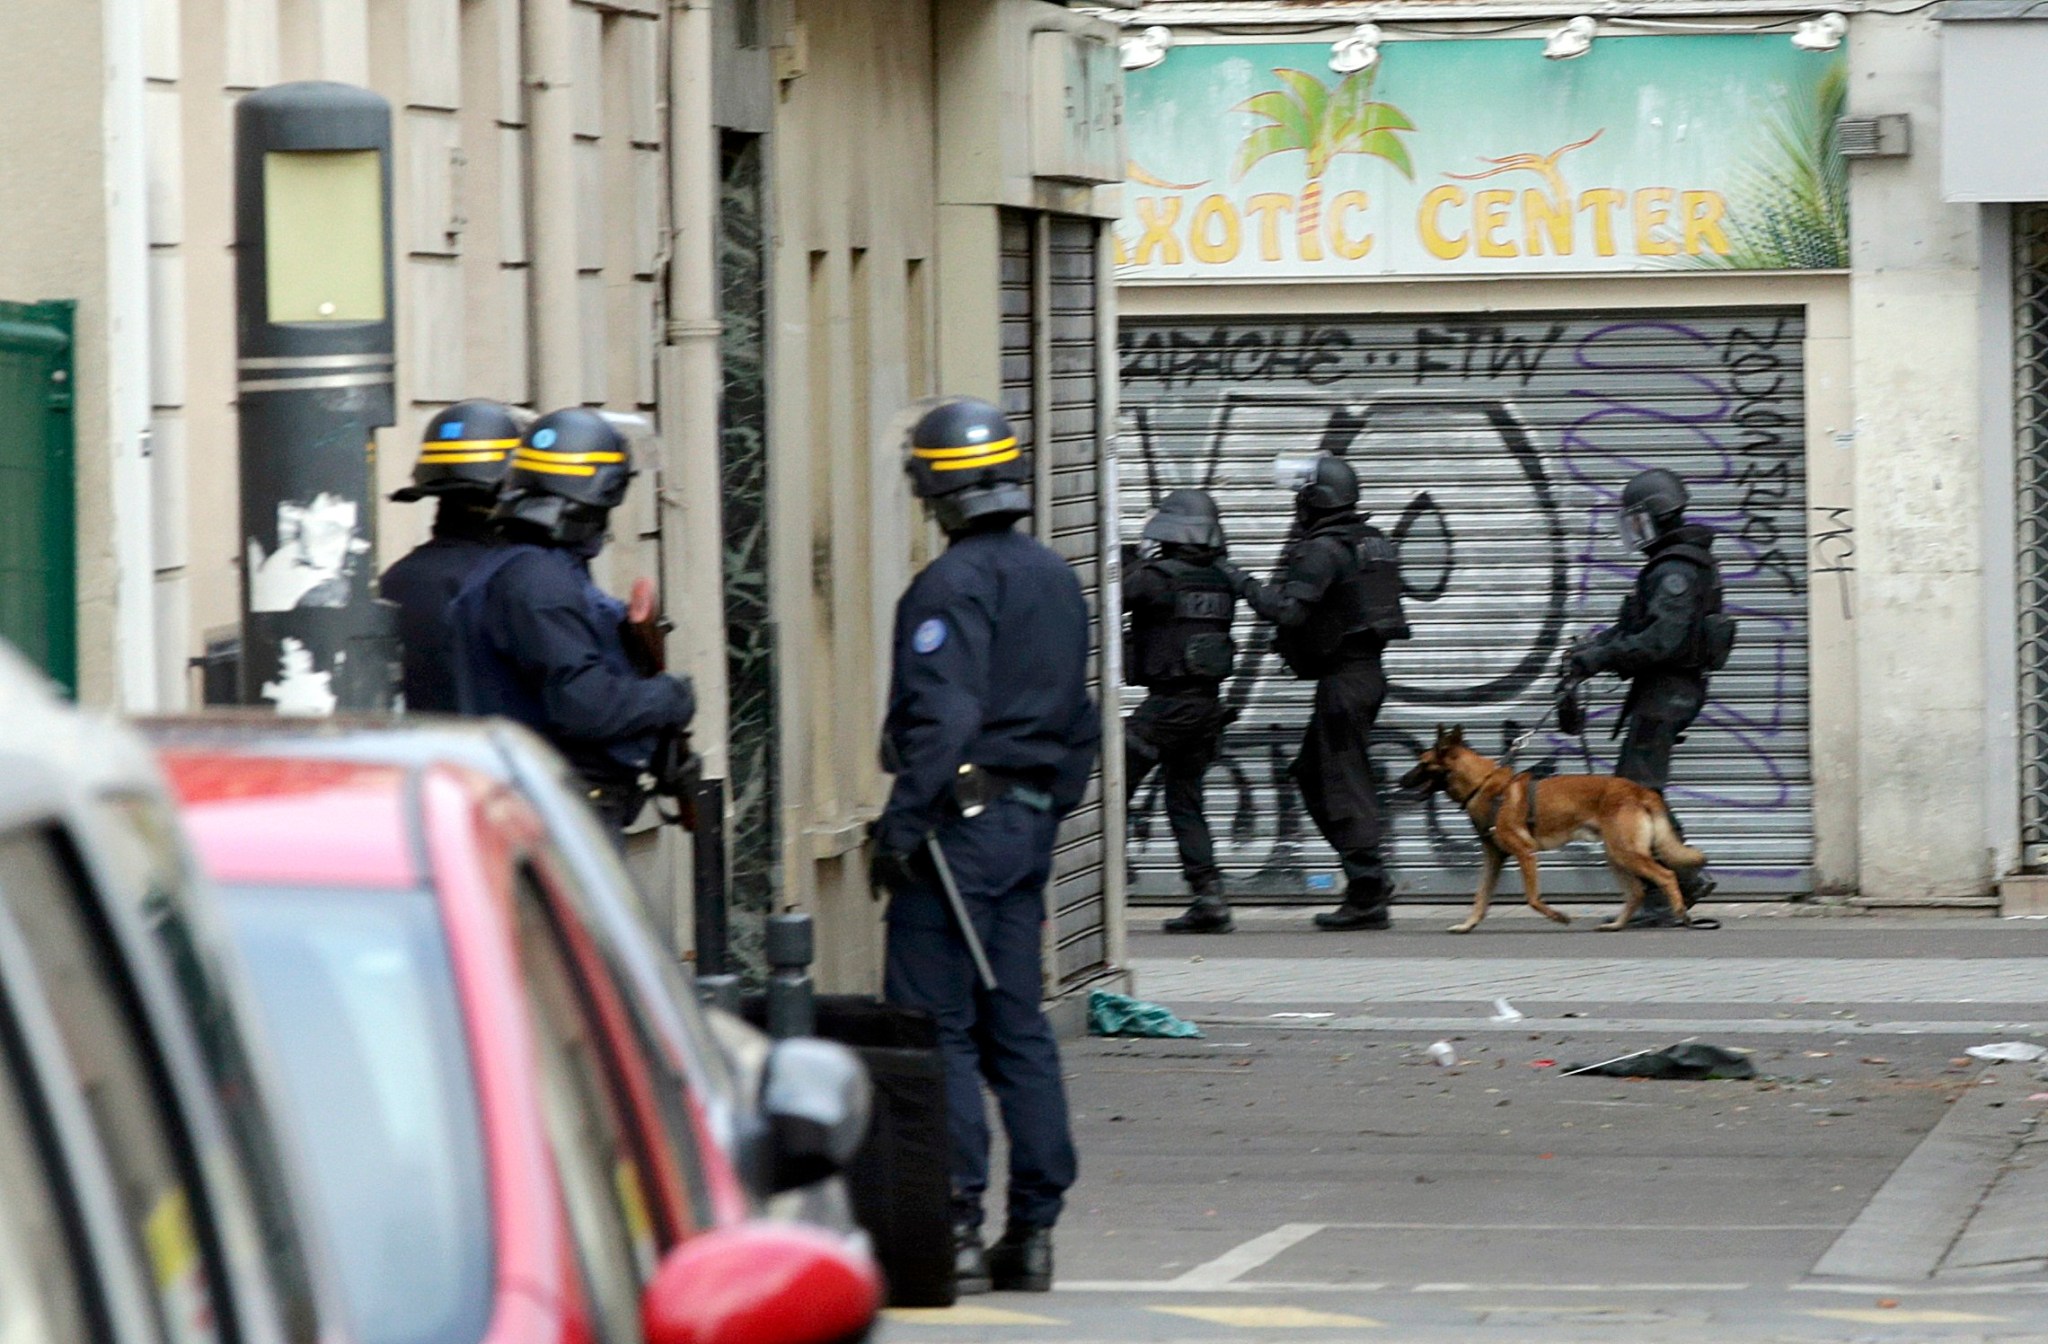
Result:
[1121,1015]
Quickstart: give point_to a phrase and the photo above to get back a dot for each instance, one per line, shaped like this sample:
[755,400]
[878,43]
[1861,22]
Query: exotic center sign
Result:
[1477,156]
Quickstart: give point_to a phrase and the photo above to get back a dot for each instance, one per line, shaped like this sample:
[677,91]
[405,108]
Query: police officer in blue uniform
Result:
[1671,634]
[991,737]
[1337,603]
[1180,606]
[538,641]
[464,455]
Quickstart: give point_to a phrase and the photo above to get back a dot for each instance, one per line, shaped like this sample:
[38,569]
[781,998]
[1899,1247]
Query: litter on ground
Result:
[1121,1015]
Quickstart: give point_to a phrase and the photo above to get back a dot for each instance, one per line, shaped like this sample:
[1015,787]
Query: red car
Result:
[498,1158]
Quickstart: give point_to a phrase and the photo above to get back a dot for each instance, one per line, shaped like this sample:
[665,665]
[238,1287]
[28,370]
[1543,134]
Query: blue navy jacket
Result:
[991,669]
[423,583]
[537,641]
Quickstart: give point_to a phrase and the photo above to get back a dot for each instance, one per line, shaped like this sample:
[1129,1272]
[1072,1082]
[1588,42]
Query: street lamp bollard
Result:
[792,999]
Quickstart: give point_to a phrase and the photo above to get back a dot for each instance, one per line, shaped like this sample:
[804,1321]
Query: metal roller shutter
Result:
[1492,450]
[1070,523]
[1050,393]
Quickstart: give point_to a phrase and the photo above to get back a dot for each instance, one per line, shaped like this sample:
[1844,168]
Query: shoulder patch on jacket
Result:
[929,636]
[1675,581]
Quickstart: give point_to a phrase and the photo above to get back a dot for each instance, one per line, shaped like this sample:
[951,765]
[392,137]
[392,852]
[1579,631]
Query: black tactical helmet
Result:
[1187,518]
[465,450]
[965,463]
[1322,483]
[1652,503]
[569,471]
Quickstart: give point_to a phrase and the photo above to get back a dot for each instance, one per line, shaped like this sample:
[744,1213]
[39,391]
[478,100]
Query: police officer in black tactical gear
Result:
[991,737]
[464,455]
[538,641]
[1180,606]
[1336,599]
[1670,635]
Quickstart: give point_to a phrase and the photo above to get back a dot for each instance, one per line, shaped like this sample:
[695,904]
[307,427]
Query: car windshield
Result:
[360,999]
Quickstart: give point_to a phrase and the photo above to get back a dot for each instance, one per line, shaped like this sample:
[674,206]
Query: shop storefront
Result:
[1500,285]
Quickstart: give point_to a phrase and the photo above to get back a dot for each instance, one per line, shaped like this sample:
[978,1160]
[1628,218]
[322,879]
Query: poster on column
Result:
[1254,161]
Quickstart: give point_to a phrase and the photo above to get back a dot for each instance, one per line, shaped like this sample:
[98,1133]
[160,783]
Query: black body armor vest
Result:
[1191,642]
[1712,637]
[1358,615]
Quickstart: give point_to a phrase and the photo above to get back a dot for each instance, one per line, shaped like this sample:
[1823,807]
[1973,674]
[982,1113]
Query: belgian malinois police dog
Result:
[1630,820]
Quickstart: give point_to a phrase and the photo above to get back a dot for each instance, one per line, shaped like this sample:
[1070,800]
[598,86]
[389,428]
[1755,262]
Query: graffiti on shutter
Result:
[1493,450]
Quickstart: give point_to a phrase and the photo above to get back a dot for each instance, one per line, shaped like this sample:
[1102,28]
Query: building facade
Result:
[766,226]
[1504,261]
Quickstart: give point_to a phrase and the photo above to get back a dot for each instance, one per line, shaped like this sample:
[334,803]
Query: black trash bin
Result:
[901,1192]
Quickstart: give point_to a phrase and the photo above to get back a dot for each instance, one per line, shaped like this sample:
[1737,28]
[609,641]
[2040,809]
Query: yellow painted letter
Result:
[1268,208]
[1541,215]
[1702,212]
[1351,249]
[1222,250]
[1489,217]
[1600,203]
[1159,224]
[1653,212]
[1428,223]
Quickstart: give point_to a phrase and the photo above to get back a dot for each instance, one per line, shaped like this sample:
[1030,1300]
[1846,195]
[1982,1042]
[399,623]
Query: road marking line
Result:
[1588,1227]
[1235,1263]
[965,1314]
[1268,1318]
[1578,1288]
[1176,1286]
[1877,1316]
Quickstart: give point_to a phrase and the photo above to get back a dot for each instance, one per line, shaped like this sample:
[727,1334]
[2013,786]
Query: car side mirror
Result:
[817,1100]
[761,1283]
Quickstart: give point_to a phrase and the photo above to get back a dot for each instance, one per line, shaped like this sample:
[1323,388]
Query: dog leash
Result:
[1523,739]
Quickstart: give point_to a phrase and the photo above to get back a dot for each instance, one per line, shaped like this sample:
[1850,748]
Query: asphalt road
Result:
[1307,1171]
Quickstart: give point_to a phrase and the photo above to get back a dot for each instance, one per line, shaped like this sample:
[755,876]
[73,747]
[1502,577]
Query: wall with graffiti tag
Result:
[1492,450]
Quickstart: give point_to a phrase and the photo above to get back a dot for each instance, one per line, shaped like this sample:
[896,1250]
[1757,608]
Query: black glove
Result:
[1571,711]
[890,869]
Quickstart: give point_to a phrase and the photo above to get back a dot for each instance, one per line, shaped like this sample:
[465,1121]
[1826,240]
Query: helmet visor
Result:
[1638,528]
[1295,472]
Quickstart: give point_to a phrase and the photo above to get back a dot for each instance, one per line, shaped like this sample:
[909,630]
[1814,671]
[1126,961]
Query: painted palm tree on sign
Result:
[1322,123]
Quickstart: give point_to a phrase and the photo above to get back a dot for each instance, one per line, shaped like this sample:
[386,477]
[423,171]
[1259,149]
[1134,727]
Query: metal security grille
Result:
[1492,450]
[1070,522]
[2030,417]
[1049,302]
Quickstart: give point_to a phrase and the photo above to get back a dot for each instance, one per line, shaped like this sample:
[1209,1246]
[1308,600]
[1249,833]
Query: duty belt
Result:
[976,786]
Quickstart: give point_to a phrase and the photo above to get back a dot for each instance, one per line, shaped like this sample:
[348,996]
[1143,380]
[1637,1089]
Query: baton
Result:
[952,889]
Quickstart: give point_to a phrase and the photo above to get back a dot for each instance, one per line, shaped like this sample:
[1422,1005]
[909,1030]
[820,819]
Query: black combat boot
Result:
[1210,912]
[1655,912]
[1022,1261]
[970,1261]
[1364,908]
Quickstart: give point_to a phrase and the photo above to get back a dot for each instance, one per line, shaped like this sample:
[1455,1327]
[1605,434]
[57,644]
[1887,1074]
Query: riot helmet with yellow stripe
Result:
[568,472]
[965,464]
[465,451]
